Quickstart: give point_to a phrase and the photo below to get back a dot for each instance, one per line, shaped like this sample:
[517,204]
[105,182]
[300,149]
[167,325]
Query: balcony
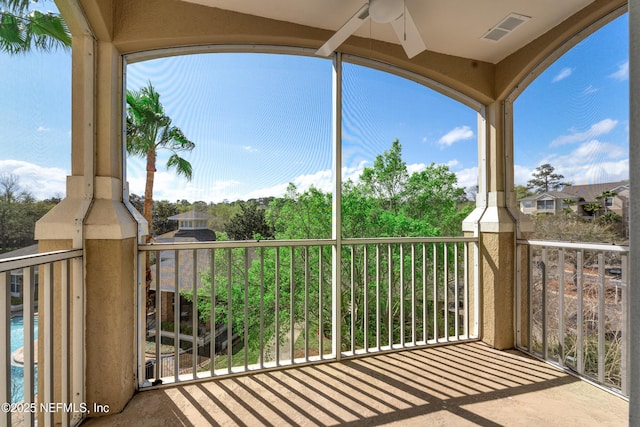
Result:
[429,367]
[442,355]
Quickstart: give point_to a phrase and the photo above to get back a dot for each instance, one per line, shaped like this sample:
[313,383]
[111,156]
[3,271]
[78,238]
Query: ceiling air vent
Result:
[506,26]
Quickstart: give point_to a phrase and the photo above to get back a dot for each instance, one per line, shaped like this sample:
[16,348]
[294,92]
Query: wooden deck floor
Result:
[458,385]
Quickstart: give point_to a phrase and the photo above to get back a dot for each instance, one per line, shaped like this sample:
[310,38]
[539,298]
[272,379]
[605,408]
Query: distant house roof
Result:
[550,194]
[589,192]
[185,216]
[586,192]
[28,250]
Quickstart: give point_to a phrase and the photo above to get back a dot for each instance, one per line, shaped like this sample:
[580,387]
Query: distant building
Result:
[192,227]
[576,197]
[16,280]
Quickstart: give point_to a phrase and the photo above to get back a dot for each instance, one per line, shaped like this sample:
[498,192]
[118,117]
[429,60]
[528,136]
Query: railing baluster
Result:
[27,318]
[176,313]
[545,350]
[45,332]
[352,304]
[456,304]
[561,319]
[365,297]
[530,300]
[157,317]
[580,315]
[601,318]
[445,286]
[624,362]
[402,319]
[425,306]
[292,284]
[246,309]
[320,304]
[65,329]
[194,315]
[414,303]
[306,303]
[229,310]
[390,295]
[5,352]
[261,308]
[465,312]
[277,302]
[435,293]
[378,308]
[213,321]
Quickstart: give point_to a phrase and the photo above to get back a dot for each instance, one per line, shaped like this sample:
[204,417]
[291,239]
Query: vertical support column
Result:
[336,212]
[634,232]
[110,251]
[494,225]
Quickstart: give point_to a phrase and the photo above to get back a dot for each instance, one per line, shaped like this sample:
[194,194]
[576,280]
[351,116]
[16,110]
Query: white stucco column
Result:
[634,219]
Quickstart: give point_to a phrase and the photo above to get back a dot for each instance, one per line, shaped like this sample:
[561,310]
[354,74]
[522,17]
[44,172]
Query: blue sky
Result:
[261,121]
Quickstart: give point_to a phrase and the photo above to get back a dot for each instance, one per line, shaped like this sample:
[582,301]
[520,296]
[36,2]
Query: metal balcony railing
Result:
[221,308]
[572,308]
[29,336]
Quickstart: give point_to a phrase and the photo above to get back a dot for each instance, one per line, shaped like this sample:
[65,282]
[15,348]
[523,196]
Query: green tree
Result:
[604,196]
[522,192]
[544,179]
[23,30]
[249,223]
[19,212]
[568,203]
[387,178]
[150,129]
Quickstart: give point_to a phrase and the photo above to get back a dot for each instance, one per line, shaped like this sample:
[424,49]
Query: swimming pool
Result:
[17,372]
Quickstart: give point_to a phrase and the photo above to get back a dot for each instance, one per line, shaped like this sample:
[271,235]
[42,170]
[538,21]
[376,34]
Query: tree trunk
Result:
[148,190]
[147,213]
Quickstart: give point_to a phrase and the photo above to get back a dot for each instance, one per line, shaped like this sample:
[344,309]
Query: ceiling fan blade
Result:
[408,34]
[344,32]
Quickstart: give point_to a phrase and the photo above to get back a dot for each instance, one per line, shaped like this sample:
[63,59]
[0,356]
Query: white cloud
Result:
[43,129]
[589,90]
[592,162]
[249,149]
[415,167]
[42,182]
[521,174]
[563,74]
[467,177]
[602,127]
[453,163]
[460,133]
[622,73]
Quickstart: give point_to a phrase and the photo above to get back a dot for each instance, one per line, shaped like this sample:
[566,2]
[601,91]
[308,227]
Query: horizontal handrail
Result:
[575,245]
[16,263]
[237,244]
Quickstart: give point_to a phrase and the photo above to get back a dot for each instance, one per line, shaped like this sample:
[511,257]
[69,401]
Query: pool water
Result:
[17,372]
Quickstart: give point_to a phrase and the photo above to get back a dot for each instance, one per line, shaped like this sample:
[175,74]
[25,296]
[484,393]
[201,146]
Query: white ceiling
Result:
[453,27]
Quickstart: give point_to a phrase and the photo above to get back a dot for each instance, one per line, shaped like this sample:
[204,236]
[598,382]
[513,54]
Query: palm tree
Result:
[22,30]
[592,208]
[149,129]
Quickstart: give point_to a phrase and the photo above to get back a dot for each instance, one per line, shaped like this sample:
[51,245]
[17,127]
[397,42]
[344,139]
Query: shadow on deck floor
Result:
[458,385]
